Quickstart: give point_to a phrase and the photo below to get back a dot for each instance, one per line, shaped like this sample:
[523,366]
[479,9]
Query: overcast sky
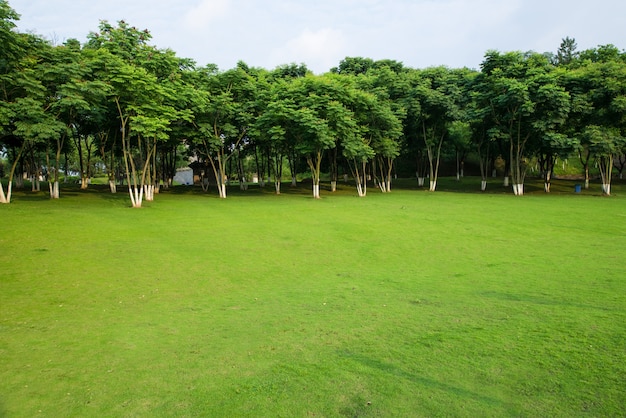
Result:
[320,33]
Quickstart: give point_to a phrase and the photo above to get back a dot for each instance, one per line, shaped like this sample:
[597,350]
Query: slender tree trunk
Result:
[277,166]
[483,161]
[547,175]
[433,149]
[605,164]
[314,163]
[6,198]
[517,164]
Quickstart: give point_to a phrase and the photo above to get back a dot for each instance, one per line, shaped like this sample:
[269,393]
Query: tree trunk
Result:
[6,198]
[605,164]
[359,176]
[54,189]
[315,162]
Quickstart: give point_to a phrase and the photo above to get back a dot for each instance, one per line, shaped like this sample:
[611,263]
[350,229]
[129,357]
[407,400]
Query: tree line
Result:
[139,109]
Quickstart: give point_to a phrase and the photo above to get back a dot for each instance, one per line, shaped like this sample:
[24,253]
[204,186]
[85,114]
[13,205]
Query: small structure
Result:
[184,176]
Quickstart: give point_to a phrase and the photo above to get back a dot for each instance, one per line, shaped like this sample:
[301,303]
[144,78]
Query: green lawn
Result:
[405,304]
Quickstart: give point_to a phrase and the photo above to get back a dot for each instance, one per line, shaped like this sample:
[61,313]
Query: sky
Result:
[320,33]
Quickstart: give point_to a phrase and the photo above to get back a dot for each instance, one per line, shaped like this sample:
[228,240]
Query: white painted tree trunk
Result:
[606,188]
[360,190]
[433,185]
[294,181]
[494,173]
[5,198]
[333,186]
[518,189]
[277,186]
[546,187]
[506,181]
[316,191]
[420,181]
[483,185]
[243,184]
[112,186]
[586,183]
[136,195]
[149,192]
[54,189]
[222,189]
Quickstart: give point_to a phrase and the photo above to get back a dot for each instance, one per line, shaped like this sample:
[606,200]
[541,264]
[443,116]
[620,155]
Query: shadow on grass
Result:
[539,300]
[432,384]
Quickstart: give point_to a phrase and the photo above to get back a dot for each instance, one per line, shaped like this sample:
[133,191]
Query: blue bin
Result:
[577,188]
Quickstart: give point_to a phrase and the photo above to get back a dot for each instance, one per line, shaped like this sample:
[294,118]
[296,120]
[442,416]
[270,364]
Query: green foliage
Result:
[519,107]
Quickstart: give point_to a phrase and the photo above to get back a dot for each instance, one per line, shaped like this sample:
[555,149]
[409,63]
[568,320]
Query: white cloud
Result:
[319,50]
[205,12]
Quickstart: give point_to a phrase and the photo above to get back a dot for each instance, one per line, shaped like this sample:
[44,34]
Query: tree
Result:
[143,99]
[26,122]
[460,135]
[223,116]
[527,105]
[567,51]
[380,114]
[273,127]
[11,54]
[321,119]
[604,142]
[73,96]
[433,103]
[598,90]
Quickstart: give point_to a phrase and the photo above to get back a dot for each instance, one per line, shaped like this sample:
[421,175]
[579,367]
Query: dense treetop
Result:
[138,112]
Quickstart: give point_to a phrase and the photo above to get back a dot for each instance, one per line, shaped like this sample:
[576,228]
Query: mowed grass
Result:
[405,304]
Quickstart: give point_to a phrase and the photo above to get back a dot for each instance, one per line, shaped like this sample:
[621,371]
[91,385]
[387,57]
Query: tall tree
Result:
[143,100]
[433,104]
[526,104]
[26,120]
[224,115]
[567,51]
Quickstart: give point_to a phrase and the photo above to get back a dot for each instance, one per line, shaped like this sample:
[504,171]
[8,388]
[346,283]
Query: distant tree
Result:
[433,104]
[26,120]
[567,51]
[527,105]
[460,135]
[224,115]
[353,66]
[603,53]
[144,95]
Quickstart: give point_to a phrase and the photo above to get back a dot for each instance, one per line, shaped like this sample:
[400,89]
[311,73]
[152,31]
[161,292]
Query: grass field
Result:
[405,304]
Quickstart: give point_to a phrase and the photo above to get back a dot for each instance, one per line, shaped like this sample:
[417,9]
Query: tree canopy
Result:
[141,111]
